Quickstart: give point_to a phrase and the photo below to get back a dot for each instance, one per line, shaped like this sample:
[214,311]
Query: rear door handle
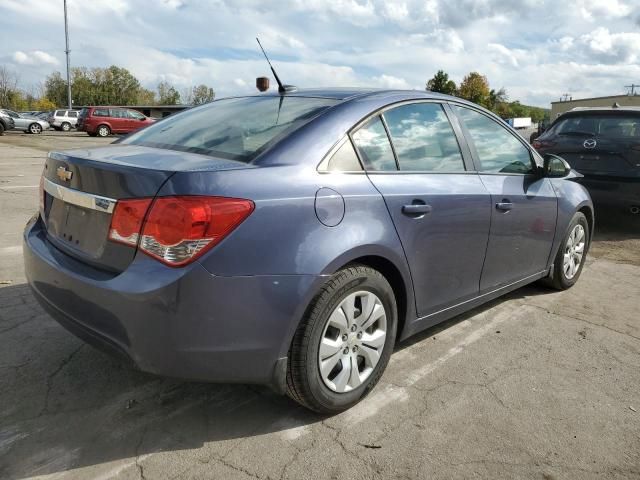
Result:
[505,206]
[416,209]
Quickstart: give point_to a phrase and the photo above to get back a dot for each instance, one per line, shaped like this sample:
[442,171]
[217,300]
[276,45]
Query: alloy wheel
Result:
[103,131]
[352,341]
[35,128]
[573,252]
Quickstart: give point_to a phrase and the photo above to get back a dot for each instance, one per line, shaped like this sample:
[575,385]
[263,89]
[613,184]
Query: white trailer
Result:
[520,122]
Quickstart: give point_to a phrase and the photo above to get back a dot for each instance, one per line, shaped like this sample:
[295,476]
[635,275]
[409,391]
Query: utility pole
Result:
[66,35]
[632,88]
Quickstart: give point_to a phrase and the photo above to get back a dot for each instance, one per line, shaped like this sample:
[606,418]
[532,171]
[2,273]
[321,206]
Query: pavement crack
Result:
[51,376]
[578,319]
[19,324]
[137,454]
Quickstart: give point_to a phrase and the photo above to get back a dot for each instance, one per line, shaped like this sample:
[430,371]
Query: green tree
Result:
[167,94]
[475,88]
[55,88]
[441,83]
[496,99]
[202,94]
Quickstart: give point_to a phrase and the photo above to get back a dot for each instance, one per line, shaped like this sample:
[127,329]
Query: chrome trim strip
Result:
[81,199]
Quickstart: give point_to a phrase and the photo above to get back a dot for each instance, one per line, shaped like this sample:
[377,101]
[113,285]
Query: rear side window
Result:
[100,112]
[498,150]
[119,113]
[234,128]
[373,145]
[423,138]
[344,159]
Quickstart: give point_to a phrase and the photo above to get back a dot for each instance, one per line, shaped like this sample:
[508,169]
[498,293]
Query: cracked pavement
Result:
[538,384]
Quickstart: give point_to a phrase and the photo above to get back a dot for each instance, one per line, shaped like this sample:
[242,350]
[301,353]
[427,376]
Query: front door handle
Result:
[504,205]
[416,209]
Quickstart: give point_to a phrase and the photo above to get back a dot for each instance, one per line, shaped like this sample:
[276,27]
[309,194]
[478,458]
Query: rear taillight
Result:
[177,230]
[127,219]
[538,144]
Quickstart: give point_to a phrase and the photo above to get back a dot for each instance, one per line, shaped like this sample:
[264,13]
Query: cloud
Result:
[35,57]
[536,49]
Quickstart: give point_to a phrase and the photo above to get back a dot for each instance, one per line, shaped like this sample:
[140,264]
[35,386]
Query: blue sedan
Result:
[292,239]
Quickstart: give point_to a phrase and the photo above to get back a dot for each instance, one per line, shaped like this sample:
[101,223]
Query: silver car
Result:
[63,120]
[27,123]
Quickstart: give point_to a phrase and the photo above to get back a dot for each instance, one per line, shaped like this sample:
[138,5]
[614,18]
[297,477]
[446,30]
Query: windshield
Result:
[235,128]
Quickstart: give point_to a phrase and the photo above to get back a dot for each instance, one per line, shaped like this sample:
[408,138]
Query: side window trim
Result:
[472,146]
[393,147]
[463,144]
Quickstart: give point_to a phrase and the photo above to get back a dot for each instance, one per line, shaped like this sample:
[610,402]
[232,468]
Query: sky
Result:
[537,50]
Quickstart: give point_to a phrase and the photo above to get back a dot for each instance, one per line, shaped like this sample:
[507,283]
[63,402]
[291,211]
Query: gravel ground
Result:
[538,384]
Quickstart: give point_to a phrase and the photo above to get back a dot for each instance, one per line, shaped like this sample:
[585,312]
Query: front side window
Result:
[423,138]
[373,145]
[234,128]
[498,150]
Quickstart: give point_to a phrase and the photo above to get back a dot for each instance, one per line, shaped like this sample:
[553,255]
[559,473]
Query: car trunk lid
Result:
[81,188]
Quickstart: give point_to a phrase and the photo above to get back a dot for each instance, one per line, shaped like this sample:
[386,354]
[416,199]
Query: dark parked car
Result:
[6,122]
[604,145]
[103,121]
[292,240]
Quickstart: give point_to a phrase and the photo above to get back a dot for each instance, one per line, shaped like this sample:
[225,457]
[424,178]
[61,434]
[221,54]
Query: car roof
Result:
[347,93]
[605,109]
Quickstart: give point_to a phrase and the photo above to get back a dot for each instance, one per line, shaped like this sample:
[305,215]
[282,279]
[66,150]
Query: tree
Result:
[202,94]
[44,104]
[441,83]
[496,98]
[8,87]
[167,94]
[475,88]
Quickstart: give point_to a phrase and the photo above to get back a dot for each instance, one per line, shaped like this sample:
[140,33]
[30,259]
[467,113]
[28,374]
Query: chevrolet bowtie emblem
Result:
[64,174]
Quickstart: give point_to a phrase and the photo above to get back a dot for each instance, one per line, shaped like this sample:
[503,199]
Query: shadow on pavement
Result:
[65,405]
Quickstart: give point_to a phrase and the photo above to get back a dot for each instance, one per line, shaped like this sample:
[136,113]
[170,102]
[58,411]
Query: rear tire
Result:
[1,129]
[103,131]
[358,353]
[65,127]
[571,255]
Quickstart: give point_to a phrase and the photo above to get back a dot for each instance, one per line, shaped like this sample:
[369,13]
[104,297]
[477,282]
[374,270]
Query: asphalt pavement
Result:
[539,384]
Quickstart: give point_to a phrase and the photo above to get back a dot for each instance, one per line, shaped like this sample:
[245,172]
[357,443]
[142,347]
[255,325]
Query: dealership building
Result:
[561,106]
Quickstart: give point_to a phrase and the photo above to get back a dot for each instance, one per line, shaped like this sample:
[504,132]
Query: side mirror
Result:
[555,166]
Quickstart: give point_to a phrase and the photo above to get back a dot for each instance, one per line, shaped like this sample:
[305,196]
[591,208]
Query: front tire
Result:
[343,344]
[35,128]
[572,253]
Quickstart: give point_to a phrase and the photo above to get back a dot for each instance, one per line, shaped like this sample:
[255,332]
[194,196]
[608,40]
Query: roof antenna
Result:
[281,88]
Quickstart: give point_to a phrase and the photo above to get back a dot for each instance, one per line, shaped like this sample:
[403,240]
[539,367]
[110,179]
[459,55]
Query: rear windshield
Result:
[235,128]
[615,126]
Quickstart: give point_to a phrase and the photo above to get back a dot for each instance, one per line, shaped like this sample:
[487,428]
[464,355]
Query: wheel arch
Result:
[587,211]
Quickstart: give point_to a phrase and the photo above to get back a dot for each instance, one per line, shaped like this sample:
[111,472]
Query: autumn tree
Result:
[475,88]
[440,83]
[202,94]
[167,94]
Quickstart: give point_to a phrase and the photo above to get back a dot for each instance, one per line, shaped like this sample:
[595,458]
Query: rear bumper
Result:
[613,191]
[183,323]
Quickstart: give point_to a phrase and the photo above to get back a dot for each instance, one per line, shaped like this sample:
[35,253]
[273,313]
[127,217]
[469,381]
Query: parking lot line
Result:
[10,250]
[15,187]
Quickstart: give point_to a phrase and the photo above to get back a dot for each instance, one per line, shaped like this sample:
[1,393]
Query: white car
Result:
[27,123]
[64,120]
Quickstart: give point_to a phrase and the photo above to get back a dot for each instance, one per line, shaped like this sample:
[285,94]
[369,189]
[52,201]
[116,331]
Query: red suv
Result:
[103,121]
